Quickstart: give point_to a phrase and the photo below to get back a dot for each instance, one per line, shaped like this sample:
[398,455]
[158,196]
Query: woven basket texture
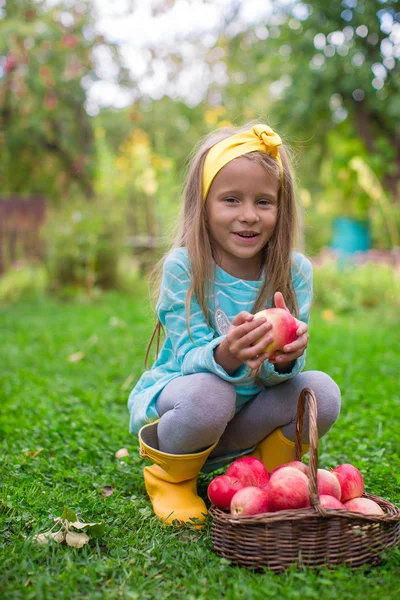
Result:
[315,537]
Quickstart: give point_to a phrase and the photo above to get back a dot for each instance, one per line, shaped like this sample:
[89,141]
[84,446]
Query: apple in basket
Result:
[249,470]
[296,464]
[288,489]
[249,501]
[351,481]
[363,505]
[328,484]
[222,489]
[330,502]
[284,327]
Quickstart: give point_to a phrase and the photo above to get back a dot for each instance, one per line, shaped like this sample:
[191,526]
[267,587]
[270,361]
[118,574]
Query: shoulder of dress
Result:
[301,265]
[177,260]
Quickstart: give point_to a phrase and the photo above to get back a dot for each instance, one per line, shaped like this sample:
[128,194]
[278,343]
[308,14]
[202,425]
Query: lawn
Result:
[66,371]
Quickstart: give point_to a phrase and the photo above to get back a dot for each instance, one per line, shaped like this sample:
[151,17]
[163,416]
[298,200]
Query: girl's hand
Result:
[295,349]
[247,338]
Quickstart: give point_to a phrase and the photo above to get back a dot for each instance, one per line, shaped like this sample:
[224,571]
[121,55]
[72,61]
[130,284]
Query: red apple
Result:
[250,500]
[364,505]
[222,489]
[330,502]
[328,484]
[284,327]
[249,470]
[351,481]
[288,489]
[296,464]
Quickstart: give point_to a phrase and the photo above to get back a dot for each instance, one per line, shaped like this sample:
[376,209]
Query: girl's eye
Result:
[230,200]
[264,202]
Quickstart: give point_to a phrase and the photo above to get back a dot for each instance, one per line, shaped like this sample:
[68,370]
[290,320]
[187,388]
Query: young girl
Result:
[214,394]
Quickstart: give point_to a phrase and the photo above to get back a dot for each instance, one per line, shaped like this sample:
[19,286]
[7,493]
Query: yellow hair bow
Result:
[260,138]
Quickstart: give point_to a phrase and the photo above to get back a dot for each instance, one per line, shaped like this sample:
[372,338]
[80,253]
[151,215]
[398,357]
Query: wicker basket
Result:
[315,537]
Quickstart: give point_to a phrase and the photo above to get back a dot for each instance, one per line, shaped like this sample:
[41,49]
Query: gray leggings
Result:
[196,410]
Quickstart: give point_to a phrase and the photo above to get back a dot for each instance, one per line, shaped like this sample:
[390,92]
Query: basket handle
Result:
[308,394]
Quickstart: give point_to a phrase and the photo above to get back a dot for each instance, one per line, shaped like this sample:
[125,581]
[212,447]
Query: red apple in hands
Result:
[296,464]
[351,481]
[248,501]
[363,505]
[328,484]
[284,327]
[249,470]
[288,489]
[222,489]
[330,502]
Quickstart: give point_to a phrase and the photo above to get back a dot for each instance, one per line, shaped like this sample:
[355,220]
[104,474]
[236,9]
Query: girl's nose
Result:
[249,213]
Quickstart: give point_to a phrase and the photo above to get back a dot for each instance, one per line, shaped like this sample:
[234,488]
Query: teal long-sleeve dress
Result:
[184,354]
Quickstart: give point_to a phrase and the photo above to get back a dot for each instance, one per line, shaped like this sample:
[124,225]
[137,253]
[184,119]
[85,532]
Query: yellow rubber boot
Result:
[171,482]
[275,450]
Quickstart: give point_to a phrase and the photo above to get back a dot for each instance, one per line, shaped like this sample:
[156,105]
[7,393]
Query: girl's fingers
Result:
[259,338]
[250,332]
[289,356]
[256,362]
[299,345]
[242,317]
[302,329]
[286,358]
[279,301]
[253,352]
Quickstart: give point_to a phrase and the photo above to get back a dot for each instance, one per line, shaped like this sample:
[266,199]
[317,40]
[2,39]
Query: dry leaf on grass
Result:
[121,453]
[44,538]
[76,540]
[32,453]
[127,382]
[64,535]
[76,357]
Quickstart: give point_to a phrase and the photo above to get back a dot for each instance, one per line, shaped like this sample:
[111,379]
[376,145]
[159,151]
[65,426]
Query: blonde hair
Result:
[193,235]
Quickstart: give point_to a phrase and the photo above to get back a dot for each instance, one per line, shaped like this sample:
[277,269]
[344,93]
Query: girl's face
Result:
[242,210]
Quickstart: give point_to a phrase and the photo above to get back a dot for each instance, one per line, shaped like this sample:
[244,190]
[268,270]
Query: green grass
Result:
[76,413]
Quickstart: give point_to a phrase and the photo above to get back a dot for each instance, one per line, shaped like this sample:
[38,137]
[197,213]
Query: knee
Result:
[327,393]
[211,402]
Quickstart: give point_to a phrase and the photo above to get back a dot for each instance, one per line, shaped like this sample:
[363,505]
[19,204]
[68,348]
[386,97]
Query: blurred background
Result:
[101,103]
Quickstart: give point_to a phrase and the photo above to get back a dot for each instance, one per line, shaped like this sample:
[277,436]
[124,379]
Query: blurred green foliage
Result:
[346,288]
[326,76]
[84,246]
[23,282]
[48,55]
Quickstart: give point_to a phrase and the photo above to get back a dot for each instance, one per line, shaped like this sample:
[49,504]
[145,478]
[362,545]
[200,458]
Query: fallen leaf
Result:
[121,453]
[32,453]
[96,530]
[76,540]
[59,536]
[107,491]
[67,520]
[116,322]
[69,515]
[127,382]
[77,356]
[44,538]
[80,525]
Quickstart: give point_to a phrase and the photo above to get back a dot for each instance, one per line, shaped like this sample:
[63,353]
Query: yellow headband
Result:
[259,138]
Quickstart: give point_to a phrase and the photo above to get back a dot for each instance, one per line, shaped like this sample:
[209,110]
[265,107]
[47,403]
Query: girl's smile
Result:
[242,209]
